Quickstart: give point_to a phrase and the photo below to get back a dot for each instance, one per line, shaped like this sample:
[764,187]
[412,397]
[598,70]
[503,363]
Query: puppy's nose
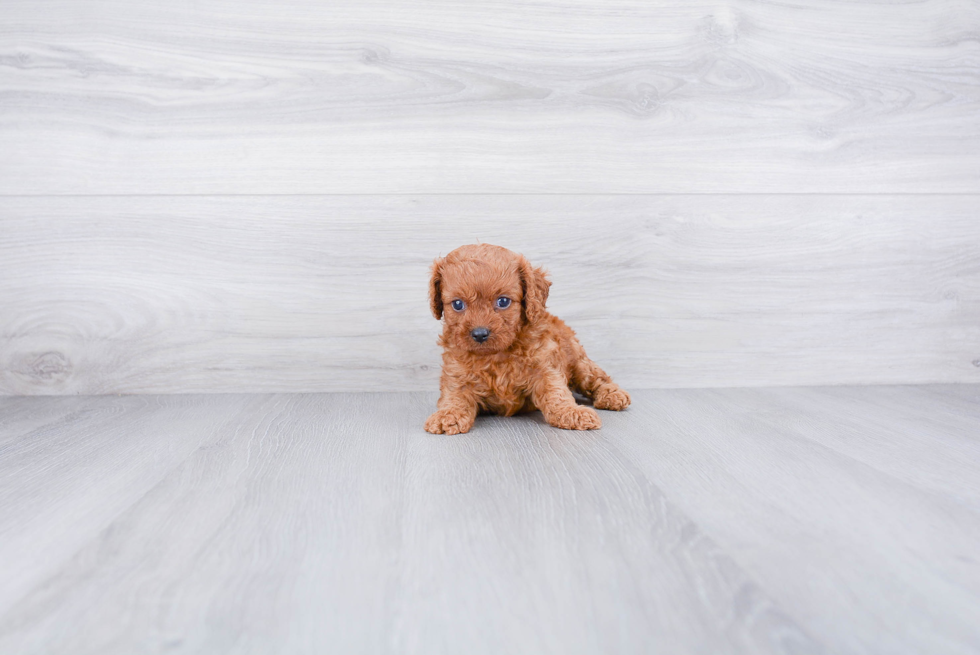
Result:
[480,334]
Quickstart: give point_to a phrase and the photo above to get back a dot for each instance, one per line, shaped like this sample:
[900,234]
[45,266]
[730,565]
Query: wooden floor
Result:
[797,520]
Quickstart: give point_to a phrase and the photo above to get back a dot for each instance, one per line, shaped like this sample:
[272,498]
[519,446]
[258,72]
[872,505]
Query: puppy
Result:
[503,352]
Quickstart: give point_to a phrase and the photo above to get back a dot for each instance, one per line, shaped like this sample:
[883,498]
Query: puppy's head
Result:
[486,294]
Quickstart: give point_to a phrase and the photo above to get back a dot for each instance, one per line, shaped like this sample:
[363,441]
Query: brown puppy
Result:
[503,352]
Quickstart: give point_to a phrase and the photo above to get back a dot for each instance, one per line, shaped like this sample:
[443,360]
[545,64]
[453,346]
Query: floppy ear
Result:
[435,288]
[534,284]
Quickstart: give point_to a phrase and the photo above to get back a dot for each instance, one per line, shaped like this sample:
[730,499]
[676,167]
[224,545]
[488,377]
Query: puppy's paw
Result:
[574,417]
[611,397]
[446,421]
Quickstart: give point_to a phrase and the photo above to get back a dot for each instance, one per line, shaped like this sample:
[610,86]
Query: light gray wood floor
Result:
[798,520]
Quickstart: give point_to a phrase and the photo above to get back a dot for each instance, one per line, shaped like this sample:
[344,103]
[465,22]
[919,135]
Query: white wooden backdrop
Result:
[245,196]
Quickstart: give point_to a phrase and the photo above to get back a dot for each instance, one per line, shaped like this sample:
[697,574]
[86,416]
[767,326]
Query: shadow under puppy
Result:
[503,352]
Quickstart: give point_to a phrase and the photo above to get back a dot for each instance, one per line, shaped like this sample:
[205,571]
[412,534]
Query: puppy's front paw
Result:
[446,421]
[574,417]
[612,398]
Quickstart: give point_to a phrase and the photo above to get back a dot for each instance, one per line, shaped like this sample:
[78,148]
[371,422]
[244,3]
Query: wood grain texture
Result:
[65,480]
[164,295]
[698,521]
[855,506]
[554,96]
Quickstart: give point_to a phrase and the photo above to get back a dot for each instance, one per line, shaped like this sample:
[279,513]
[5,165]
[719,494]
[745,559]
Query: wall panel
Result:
[621,96]
[328,293]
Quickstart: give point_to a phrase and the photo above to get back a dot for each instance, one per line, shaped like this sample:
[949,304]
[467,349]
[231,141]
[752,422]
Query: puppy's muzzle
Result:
[480,334]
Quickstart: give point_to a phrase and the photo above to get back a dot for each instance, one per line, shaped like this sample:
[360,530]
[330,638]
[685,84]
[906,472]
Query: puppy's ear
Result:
[435,288]
[535,285]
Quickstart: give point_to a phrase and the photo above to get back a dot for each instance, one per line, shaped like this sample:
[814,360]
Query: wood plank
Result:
[851,423]
[556,96]
[65,482]
[815,492]
[333,521]
[164,295]
[24,414]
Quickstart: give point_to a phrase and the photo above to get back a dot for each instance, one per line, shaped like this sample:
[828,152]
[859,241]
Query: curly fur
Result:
[531,359]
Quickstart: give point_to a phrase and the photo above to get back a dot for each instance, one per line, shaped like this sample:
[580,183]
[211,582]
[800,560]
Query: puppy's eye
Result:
[503,302]
[459,305]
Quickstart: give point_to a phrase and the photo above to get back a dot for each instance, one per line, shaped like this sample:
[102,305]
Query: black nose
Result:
[480,334]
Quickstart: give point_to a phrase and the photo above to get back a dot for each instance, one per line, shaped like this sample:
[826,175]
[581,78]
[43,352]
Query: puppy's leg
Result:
[555,400]
[590,380]
[456,413]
